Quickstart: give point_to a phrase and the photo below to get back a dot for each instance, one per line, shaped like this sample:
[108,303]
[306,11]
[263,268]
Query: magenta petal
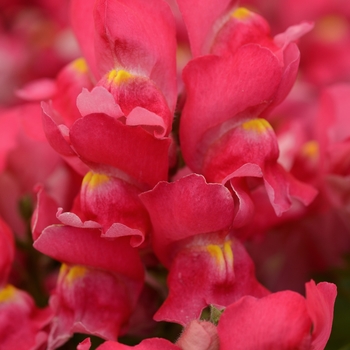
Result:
[320,300]
[186,208]
[102,141]
[277,321]
[86,247]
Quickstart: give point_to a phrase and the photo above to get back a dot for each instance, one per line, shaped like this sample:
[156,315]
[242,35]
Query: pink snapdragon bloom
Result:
[325,50]
[192,238]
[147,344]
[283,320]
[36,42]
[96,269]
[315,137]
[223,134]
[113,202]
[111,255]
[131,58]
[122,125]
[110,204]
[112,268]
[199,335]
[91,301]
[7,248]
[27,159]
[22,324]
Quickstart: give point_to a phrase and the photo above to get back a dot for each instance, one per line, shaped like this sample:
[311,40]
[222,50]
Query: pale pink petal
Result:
[99,100]
[199,335]
[37,90]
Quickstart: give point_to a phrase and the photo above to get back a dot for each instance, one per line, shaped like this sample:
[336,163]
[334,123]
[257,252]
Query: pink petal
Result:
[142,41]
[55,136]
[10,126]
[84,345]
[70,81]
[200,18]
[82,22]
[320,300]
[115,205]
[105,143]
[60,243]
[44,213]
[99,100]
[199,335]
[277,321]
[223,272]
[147,344]
[137,237]
[71,219]
[7,248]
[251,150]
[222,91]
[186,208]
[113,301]
[293,33]
[21,323]
[333,116]
[38,90]
[148,119]
[58,138]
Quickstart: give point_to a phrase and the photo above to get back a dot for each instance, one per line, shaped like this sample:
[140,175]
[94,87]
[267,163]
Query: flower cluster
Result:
[163,176]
